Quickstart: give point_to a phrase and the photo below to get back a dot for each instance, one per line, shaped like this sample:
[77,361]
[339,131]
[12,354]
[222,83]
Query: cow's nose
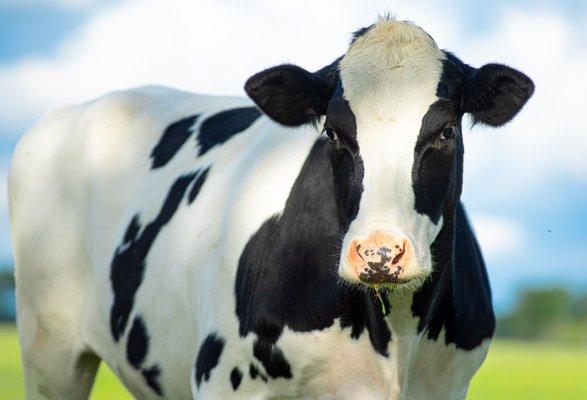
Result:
[381,258]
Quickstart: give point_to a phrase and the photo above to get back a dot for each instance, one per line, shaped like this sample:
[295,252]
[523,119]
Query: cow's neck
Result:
[413,312]
[456,300]
[437,290]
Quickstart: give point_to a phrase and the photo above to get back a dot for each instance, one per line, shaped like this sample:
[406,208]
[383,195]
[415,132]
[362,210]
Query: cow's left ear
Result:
[495,93]
[291,95]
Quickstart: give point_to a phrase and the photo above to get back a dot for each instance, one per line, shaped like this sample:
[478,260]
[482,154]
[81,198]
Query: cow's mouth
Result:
[376,275]
[379,273]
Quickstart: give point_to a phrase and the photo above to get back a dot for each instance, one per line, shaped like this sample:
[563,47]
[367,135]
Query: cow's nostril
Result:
[358,251]
[398,257]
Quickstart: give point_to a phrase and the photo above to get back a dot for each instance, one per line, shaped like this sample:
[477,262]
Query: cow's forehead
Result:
[390,77]
[388,65]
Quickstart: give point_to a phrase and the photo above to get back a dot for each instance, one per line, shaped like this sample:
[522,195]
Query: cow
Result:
[308,242]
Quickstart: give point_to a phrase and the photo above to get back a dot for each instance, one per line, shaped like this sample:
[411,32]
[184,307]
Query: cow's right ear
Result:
[291,95]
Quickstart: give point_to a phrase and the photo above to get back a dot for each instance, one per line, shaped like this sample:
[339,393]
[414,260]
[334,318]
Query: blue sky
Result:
[525,184]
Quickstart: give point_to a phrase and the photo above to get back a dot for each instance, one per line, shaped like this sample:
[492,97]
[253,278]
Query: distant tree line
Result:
[546,314]
[7,311]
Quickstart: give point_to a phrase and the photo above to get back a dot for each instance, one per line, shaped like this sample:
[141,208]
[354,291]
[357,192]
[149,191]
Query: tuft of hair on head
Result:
[388,47]
[387,16]
[390,28]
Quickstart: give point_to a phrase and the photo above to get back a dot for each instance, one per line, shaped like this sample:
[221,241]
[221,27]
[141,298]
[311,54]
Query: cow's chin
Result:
[402,286]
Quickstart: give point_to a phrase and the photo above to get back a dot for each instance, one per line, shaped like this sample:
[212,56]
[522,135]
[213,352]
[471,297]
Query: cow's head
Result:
[392,108]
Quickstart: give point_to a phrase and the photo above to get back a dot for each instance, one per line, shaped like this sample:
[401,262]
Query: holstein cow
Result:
[210,248]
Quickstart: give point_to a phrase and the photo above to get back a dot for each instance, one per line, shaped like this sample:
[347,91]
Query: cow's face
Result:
[392,109]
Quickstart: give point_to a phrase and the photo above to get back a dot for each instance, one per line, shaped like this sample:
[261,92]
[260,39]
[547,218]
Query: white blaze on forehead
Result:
[390,58]
[390,75]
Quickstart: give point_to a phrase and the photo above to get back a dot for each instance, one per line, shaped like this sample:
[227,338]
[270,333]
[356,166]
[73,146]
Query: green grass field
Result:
[513,370]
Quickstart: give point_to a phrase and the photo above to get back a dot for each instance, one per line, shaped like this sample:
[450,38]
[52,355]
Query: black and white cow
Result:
[202,247]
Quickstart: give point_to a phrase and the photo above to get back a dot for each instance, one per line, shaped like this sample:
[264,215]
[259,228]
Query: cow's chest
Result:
[355,357]
[330,364]
[325,363]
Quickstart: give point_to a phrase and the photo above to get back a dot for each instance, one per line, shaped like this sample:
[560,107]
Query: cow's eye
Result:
[448,133]
[331,133]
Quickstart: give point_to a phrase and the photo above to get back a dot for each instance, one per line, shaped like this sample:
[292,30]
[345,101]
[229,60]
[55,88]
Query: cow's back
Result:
[128,219]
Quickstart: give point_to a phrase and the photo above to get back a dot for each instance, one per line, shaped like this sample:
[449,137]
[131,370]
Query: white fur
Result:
[389,76]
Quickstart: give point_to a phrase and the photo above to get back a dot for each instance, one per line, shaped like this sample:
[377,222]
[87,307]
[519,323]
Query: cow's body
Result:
[187,291]
[193,244]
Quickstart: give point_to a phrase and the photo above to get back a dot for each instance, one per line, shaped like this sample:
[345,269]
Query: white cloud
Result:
[73,3]
[69,4]
[499,236]
[548,139]
[206,46]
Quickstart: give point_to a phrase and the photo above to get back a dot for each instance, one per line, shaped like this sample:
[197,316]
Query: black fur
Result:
[287,273]
[457,297]
[329,74]
[492,94]
[151,376]
[132,230]
[128,263]
[254,372]
[291,95]
[197,185]
[360,32]
[208,357]
[173,138]
[452,80]
[347,164]
[236,377]
[365,312]
[434,170]
[137,344]
[137,348]
[272,358]
[496,93]
[219,128]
